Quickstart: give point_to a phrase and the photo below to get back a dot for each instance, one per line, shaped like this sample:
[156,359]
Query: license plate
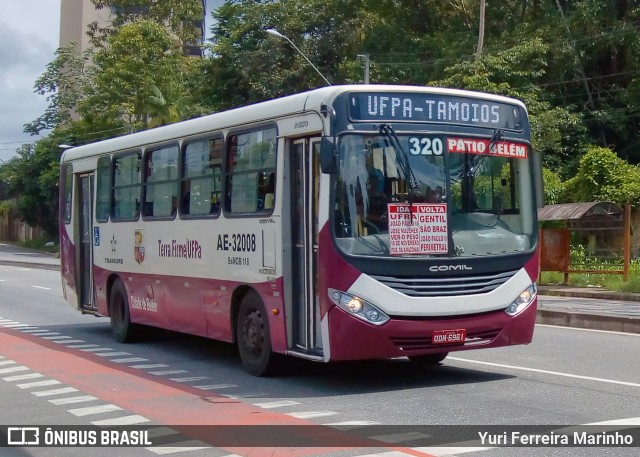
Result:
[449,336]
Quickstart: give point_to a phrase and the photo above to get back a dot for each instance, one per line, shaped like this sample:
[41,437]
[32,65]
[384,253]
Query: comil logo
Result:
[450,268]
[23,436]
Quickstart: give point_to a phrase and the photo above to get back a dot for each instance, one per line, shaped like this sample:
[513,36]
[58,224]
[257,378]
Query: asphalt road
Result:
[565,377]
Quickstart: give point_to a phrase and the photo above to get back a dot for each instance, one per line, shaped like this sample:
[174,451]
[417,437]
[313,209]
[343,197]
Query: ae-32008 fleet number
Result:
[237,242]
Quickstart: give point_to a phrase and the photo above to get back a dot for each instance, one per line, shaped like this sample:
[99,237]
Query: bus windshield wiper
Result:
[405,166]
[498,135]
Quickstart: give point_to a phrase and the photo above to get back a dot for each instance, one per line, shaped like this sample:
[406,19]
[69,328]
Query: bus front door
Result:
[84,243]
[304,169]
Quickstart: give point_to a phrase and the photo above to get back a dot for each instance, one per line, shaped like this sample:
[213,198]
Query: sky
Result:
[29,37]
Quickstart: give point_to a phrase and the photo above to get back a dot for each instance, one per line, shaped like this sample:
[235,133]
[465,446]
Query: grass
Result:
[41,244]
[613,282]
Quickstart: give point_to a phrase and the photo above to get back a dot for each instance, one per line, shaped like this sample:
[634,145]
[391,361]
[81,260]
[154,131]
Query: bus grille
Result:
[442,287]
[409,344]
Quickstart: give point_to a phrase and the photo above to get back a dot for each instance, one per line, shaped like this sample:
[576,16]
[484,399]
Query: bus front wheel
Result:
[121,327]
[254,338]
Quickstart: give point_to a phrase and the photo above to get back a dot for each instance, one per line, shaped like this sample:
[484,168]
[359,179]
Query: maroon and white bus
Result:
[343,223]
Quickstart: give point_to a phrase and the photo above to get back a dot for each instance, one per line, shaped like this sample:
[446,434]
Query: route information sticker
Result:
[418,229]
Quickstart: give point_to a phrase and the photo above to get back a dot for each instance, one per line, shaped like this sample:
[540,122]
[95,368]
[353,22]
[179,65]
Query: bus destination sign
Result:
[433,108]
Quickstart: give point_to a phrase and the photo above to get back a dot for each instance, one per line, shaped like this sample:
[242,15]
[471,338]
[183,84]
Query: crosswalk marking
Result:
[71,400]
[91,410]
[23,377]
[125,420]
[13,369]
[46,382]
[48,393]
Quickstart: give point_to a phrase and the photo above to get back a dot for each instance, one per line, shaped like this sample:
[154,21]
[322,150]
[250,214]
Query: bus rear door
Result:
[84,242]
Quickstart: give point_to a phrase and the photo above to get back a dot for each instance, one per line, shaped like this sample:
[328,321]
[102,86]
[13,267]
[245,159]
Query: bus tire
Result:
[428,359]
[121,327]
[254,337]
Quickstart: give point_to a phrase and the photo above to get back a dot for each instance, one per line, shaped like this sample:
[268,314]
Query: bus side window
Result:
[201,178]
[125,195]
[160,182]
[251,163]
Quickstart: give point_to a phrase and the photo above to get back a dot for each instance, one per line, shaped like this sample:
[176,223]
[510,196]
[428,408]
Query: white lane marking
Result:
[113,354]
[69,341]
[82,346]
[130,360]
[16,325]
[175,450]
[216,386]
[350,423]
[399,437]
[48,393]
[162,373]
[46,333]
[71,400]
[451,450]
[191,379]
[387,454]
[22,377]
[52,338]
[7,362]
[13,369]
[276,404]
[125,420]
[90,410]
[97,350]
[563,327]
[150,365]
[312,414]
[46,382]
[554,373]
[40,287]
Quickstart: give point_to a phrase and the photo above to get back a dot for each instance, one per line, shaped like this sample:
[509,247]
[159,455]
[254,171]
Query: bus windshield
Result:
[418,194]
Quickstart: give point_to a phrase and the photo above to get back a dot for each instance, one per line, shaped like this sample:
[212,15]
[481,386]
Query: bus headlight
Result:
[358,307]
[524,299]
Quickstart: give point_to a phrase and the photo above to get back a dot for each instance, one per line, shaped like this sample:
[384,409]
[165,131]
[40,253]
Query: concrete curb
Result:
[588,321]
[36,265]
[586,293]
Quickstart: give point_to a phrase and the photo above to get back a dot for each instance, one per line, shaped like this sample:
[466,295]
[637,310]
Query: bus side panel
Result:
[191,305]
[354,339]
[337,274]
[533,267]
[100,277]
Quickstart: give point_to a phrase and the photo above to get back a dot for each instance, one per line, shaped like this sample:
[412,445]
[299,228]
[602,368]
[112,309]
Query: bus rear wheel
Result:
[254,337]
[428,359]
[121,327]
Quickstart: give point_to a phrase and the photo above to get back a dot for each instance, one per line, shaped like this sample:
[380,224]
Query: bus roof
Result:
[262,111]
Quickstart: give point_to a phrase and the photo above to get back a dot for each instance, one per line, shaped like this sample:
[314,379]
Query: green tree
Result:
[182,18]
[63,82]
[32,176]
[138,56]
[603,176]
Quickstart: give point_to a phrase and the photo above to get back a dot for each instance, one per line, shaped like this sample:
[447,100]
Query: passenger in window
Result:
[269,196]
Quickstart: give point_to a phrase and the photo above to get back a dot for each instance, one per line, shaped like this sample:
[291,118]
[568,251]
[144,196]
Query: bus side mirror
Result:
[328,162]
[538,182]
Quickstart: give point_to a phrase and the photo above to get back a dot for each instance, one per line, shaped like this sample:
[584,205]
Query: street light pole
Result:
[274,32]
[366,67]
